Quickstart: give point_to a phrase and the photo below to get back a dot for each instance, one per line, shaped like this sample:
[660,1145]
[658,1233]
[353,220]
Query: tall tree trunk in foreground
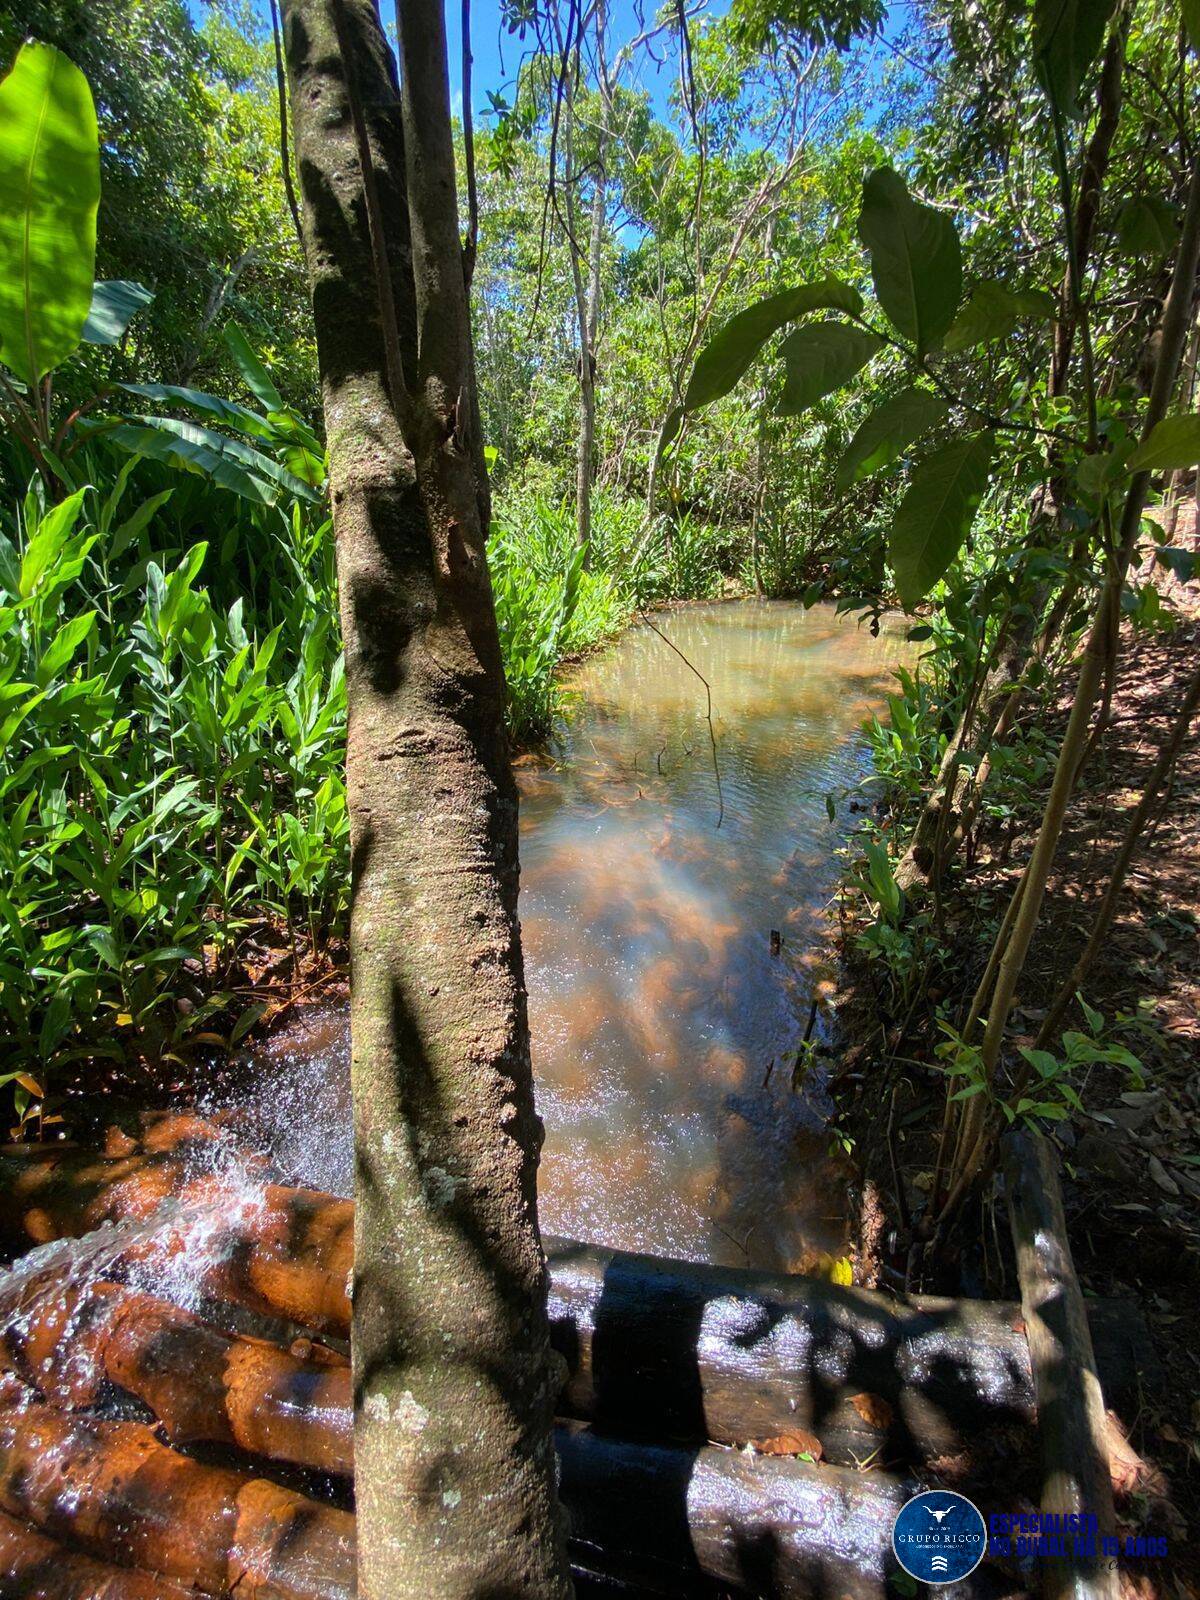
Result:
[453,1378]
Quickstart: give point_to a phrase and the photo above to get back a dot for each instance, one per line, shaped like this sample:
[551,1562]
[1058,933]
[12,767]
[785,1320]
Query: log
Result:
[716,1521]
[1072,1428]
[35,1568]
[639,1514]
[655,1348]
[676,1350]
[113,1489]
[283,1251]
[202,1384]
[664,1520]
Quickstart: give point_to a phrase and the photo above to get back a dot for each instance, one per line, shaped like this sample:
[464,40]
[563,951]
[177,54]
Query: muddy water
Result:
[665,1018]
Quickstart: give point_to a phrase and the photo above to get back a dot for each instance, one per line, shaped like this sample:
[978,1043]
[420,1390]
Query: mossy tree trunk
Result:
[453,1377]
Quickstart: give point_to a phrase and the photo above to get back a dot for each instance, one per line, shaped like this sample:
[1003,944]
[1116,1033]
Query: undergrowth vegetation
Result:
[170,765]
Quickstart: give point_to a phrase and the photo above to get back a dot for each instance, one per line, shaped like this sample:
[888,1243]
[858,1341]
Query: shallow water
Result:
[665,1024]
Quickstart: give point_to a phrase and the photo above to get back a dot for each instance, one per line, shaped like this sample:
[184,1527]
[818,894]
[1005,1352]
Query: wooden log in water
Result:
[716,1521]
[645,1515]
[284,1251]
[201,1383]
[113,1489]
[675,1350]
[655,1348]
[1072,1434]
[35,1568]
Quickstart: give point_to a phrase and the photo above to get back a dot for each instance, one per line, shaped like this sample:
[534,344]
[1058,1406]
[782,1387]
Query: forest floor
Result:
[1132,1162]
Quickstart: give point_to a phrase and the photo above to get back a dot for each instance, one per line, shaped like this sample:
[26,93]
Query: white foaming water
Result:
[171,1254]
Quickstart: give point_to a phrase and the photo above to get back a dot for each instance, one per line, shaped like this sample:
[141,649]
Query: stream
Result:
[665,1017]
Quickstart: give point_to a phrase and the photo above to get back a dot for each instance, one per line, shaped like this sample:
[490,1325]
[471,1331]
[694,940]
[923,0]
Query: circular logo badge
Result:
[939,1536]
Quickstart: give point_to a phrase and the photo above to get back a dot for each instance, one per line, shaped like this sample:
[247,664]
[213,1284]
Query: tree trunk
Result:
[587,288]
[589,325]
[453,1379]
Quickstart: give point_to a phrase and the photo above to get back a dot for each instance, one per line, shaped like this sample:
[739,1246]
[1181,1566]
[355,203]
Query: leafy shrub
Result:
[170,770]
[547,605]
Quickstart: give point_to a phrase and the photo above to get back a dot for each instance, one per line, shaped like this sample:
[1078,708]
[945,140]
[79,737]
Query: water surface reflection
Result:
[664,1018]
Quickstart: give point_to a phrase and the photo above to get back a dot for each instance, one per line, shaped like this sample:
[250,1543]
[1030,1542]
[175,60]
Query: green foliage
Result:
[761,23]
[115,303]
[820,358]
[229,463]
[879,883]
[992,312]
[49,171]
[1067,35]
[170,769]
[888,431]
[936,513]
[548,605]
[730,353]
[1051,1091]
[907,746]
[916,263]
[193,201]
[49,195]
[1148,226]
[1173,444]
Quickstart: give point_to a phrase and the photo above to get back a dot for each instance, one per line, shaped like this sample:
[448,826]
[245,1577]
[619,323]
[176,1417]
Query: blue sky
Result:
[497,54]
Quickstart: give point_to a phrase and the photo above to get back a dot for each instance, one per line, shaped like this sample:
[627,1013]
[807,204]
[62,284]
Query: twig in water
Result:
[712,736]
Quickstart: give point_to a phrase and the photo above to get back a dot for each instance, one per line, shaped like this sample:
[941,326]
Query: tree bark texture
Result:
[454,1382]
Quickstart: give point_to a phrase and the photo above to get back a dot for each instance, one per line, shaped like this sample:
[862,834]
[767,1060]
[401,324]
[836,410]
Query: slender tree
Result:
[454,1383]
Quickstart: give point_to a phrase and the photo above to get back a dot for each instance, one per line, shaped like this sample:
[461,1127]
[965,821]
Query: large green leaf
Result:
[47,542]
[49,193]
[227,462]
[993,311]
[936,514]
[888,431]
[115,301]
[820,359]
[226,411]
[257,378]
[1067,35]
[1191,23]
[916,263]
[732,350]
[1173,445]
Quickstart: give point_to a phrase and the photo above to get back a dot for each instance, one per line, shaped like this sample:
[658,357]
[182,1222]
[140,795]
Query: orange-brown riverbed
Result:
[664,1023]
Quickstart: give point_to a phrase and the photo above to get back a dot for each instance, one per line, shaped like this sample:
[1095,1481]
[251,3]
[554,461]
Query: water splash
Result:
[173,1252]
